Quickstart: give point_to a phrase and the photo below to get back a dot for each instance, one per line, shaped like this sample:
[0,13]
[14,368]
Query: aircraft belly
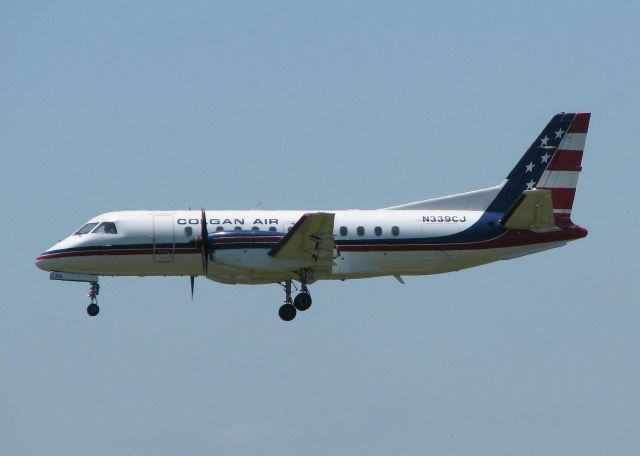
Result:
[376,264]
[372,264]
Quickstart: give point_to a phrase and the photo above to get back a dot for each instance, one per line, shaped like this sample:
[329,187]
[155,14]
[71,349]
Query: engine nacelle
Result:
[245,249]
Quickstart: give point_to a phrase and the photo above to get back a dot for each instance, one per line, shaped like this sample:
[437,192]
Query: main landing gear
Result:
[302,301]
[93,308]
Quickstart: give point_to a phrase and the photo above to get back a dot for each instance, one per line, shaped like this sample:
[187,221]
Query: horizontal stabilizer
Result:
[534,212]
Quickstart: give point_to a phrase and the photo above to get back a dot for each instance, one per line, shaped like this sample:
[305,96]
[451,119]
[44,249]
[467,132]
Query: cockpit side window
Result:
[106,227]
[85,229]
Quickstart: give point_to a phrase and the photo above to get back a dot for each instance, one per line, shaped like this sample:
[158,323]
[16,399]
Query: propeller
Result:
[204,243]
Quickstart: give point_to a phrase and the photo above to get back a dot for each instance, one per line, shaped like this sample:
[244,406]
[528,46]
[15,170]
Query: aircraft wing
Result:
[534,211]
[310,239]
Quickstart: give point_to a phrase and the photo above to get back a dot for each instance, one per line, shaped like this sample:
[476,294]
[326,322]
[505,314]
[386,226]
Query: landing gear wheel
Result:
[287,312]
[93,309]
[302,301]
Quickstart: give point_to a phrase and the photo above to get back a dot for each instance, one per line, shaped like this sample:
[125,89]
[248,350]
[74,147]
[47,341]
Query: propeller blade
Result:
[192,281]
[204,246]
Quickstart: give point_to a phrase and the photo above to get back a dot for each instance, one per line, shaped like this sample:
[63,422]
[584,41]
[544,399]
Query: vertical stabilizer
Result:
[551,163]
[561,176]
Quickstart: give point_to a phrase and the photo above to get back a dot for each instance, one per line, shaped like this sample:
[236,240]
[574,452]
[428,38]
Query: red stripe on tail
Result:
[566,160]
[580,123]
[562,197]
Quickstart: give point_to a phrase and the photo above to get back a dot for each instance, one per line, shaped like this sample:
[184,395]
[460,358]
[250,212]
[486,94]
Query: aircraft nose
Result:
[44,262]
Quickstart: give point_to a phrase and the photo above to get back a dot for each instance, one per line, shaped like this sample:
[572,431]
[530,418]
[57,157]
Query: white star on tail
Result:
[544,141]
[530,167]
[530,184]
[559,133]
[545,158]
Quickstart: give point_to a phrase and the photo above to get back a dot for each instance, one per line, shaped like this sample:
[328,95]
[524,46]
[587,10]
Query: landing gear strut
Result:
[93,308]
[301,302]
[287,311]
[303,299]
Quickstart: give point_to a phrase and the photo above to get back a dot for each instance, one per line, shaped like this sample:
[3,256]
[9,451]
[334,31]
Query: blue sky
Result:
[299,105]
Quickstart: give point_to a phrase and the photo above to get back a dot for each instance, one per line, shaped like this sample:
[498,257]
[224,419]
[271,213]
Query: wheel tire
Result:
[302,301]
[287,312]
[93,310]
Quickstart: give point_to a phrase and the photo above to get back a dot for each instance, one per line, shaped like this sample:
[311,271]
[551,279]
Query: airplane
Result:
[528,212]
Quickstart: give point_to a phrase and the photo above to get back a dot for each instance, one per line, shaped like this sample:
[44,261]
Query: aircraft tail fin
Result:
[552,163]
[561,176]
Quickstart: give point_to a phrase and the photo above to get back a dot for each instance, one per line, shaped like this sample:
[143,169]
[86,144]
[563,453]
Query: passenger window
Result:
[343,231]
[188,231]
[106,227]
[238,228]
[272,228]
[219,228]
[360,231]
[255,228]
[395,230]
[85,229]
[378,231]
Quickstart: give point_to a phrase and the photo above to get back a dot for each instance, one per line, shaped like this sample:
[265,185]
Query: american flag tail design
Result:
[561,175]
[552,163]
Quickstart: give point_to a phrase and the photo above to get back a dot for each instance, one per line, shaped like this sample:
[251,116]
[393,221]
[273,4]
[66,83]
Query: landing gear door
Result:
[163,239]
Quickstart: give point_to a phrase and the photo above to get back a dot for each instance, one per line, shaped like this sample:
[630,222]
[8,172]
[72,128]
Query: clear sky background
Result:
[299,105]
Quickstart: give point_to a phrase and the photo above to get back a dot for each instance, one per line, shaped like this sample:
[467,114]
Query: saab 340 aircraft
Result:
[529,212]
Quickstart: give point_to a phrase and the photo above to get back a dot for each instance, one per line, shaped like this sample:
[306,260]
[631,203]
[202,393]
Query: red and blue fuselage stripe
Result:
[494,236]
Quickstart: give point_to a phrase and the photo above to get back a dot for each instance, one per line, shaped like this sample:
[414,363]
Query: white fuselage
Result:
[369,243]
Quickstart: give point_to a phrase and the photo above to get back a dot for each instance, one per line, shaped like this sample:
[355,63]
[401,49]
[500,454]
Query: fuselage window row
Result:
[188,231]
[110,228]
[344,231]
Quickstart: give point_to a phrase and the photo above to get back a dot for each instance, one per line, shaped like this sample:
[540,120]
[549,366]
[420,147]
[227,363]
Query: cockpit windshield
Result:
[106,227]
[85,229]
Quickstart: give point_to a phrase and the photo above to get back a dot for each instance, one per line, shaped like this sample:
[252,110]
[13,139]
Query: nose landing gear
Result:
[91,279]
[93,308]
